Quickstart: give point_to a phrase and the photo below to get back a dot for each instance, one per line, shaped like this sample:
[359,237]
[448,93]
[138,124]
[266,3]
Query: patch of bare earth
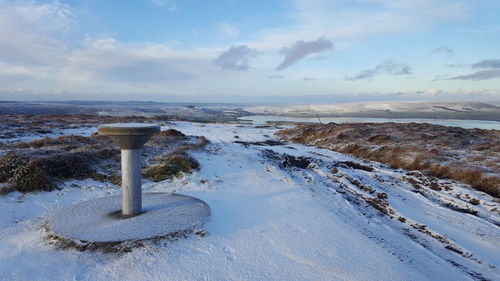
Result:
[470,156]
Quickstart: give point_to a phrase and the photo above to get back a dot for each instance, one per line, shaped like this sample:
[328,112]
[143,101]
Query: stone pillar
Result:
[131,182]
[130,137]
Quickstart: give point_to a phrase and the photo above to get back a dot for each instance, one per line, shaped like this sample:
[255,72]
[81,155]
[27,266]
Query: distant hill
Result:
[228,111]
[442,110]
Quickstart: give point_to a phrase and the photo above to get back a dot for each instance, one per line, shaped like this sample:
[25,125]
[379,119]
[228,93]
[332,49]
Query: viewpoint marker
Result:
[135,216]
[130,137]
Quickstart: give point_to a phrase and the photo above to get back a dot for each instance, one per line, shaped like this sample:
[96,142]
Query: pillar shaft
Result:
[131,182]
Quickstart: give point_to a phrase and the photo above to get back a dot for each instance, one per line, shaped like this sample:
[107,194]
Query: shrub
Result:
[31,177]
[66,165]
[379,139]
[171,167]
[170,133]
[9,163]
[68,142]
[40,172]
[474,201]
[107,153]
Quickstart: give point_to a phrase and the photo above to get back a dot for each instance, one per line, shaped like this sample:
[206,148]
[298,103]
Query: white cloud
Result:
[170,4]
[227,29]
[358,19]
[134,63]
[31,33]
[40,50]
[34,53]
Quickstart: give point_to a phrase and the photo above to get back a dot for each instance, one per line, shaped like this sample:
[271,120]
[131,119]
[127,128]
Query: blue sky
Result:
[231,50]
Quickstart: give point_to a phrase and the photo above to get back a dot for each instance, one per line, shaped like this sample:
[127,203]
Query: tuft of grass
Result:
[170,167]
[379,139]
[67,165]
[9,163]
[31,177]
[40,172]
[107,153]
[170,133]
[475,201]
[67,143]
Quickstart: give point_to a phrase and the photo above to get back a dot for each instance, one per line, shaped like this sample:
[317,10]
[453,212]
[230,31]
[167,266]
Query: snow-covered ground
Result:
[274,221]
[30,136]
[359,107]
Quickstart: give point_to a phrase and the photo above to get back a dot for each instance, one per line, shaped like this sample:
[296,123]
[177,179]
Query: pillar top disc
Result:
[129,135]
[121,129]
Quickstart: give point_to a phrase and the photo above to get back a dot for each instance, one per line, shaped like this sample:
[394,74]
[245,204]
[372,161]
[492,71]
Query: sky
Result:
[250,51]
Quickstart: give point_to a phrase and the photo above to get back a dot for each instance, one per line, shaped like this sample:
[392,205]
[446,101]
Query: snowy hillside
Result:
[280,211]
[457,110]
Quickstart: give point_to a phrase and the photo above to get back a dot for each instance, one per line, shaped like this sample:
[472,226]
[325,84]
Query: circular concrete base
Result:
[100,220]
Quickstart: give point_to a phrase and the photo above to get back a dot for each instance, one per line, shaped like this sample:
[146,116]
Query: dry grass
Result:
[177,161]
[40,165]
[171,166]
[170,133]
[467,155]
[40,171]
[14,125]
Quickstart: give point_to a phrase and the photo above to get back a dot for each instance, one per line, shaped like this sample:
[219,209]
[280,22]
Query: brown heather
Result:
[40,165]
[470,156]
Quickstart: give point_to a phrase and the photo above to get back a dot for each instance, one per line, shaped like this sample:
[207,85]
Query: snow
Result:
[268,223]
[81,131]
[466,124]
[129,125]
[98,220]
[359,107]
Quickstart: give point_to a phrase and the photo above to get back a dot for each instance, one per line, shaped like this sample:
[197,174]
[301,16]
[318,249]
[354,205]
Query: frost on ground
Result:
[471,156]
[279,212]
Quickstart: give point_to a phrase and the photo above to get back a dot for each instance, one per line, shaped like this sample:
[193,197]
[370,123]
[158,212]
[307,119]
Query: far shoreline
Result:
[450,122]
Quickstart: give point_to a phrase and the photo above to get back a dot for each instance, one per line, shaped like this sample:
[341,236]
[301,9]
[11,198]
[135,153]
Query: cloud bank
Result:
[301,49]
[387,67]
[490,69]
[443,50]
[275,77]
[487,64]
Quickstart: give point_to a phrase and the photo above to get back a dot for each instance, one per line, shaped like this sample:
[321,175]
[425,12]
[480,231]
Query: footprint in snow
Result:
[230,251]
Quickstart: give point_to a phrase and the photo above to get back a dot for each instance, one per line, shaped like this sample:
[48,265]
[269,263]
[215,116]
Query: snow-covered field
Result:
[360,107]
[279,212]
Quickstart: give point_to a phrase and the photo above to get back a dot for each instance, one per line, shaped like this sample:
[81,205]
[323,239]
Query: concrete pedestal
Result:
[100,220]
[131,182]
[134,216]
[130,137]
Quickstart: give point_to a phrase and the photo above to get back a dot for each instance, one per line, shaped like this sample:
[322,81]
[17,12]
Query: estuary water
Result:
[467,124]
